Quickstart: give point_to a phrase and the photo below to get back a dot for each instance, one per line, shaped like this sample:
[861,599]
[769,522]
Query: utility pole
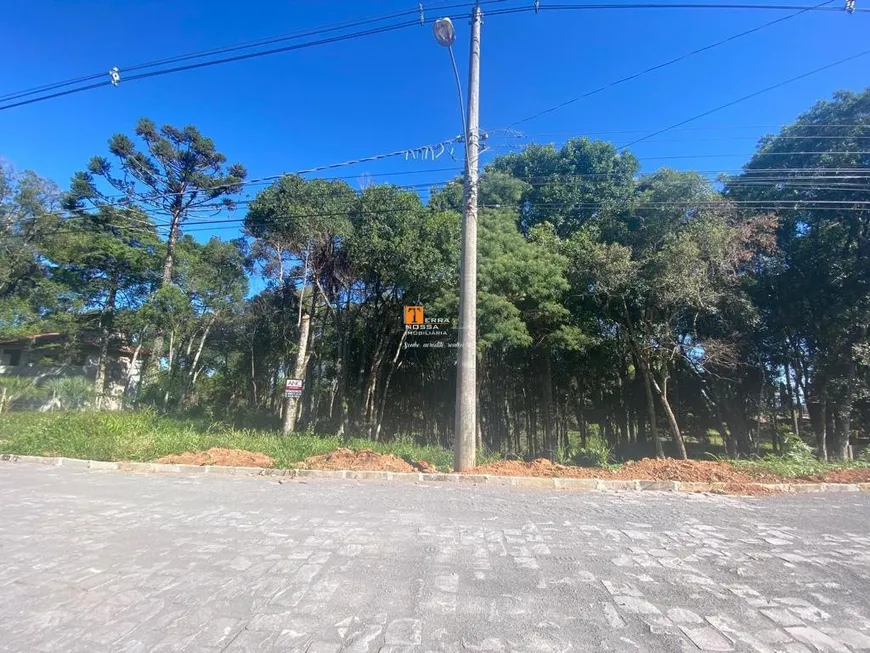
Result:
[466,374]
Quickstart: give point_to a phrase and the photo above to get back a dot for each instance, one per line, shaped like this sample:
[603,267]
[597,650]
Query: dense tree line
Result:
[647,309]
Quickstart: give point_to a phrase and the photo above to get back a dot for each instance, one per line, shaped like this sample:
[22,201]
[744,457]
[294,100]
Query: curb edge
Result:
[575,484]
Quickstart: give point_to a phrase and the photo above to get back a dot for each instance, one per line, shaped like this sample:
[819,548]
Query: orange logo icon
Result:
[413,315]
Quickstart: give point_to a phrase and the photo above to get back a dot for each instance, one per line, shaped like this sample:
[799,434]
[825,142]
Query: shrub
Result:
[71,392]
[593,455]
[13,388]
[794,449]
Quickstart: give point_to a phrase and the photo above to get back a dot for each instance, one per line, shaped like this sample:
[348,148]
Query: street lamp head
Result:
[444,32]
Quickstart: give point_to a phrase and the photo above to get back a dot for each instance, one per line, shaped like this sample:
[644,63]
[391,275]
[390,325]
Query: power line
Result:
[665,64]
[431,152]
[195,225]
[288,48]
[205,53]
[756,174]
[732,138]
[232,48]
[210,229]
[665,5]
[821,125]
[746,97]
[720,155]
[334,39]
[427,152]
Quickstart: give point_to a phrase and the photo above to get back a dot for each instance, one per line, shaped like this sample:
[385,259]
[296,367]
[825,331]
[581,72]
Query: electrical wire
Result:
[379,30]
[288,48]
[424,151]
[724,155]
[746,97]
[821,125]
[316,31]
[191,226]
[665,64]
[665,5]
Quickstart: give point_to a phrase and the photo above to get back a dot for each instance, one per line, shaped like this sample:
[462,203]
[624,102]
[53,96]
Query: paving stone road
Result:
[111,561]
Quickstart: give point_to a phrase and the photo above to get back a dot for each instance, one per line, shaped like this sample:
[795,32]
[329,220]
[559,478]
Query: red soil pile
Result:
[856,475]
[696,471]
[362,460]
[218,456]
[650,469]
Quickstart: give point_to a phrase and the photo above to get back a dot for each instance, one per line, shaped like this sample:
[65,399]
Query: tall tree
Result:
[105,262]
[29,218]
[178,173]
[309,220]
[814,171]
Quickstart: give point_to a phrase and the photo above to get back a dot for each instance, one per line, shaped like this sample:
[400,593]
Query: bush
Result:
[593,455]
[794,449]
[15,388]
[71,392]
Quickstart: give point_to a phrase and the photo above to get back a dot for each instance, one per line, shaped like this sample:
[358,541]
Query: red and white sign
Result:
[293,388]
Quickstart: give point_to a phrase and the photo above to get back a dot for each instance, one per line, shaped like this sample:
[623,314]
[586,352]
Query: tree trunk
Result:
[669,413]
[128,389]
[169,370]
[547,391]
[106,319]
[291,404]
[830,411]
[583,428]
[385,392]
[793,409]
[254,398]
[166,278]
[817,407]
[651,407]
[193,372]
[842,413]
[102,364]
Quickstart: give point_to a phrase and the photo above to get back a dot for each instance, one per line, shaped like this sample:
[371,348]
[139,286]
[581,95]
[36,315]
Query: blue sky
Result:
[396,90]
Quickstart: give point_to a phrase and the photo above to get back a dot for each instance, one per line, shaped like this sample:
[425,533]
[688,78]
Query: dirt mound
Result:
[693,471]
[648,469]
[362,460]
[855,475]
[217,456]
[425,467]
[746,490]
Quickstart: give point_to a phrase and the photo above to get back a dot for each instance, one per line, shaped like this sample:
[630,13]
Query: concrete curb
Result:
[577,484]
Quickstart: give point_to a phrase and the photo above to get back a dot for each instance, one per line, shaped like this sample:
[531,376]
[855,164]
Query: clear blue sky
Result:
[392,91]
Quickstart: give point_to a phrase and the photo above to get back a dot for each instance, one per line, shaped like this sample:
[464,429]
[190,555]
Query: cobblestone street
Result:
[122,562]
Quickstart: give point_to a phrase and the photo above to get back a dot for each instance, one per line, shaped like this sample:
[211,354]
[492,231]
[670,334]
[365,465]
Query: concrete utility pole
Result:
[465,443]
[465,451]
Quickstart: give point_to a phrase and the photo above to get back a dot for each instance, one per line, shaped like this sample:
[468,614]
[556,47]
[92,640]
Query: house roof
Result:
[85,338]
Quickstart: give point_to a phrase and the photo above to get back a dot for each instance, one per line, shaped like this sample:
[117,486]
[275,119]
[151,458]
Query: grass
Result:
[786,468]
[144,435]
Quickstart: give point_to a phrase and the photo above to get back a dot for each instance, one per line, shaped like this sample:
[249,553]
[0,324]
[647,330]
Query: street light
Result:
[444,32]
[466,373]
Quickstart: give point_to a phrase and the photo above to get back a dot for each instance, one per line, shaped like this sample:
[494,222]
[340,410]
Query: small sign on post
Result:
[293,388]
